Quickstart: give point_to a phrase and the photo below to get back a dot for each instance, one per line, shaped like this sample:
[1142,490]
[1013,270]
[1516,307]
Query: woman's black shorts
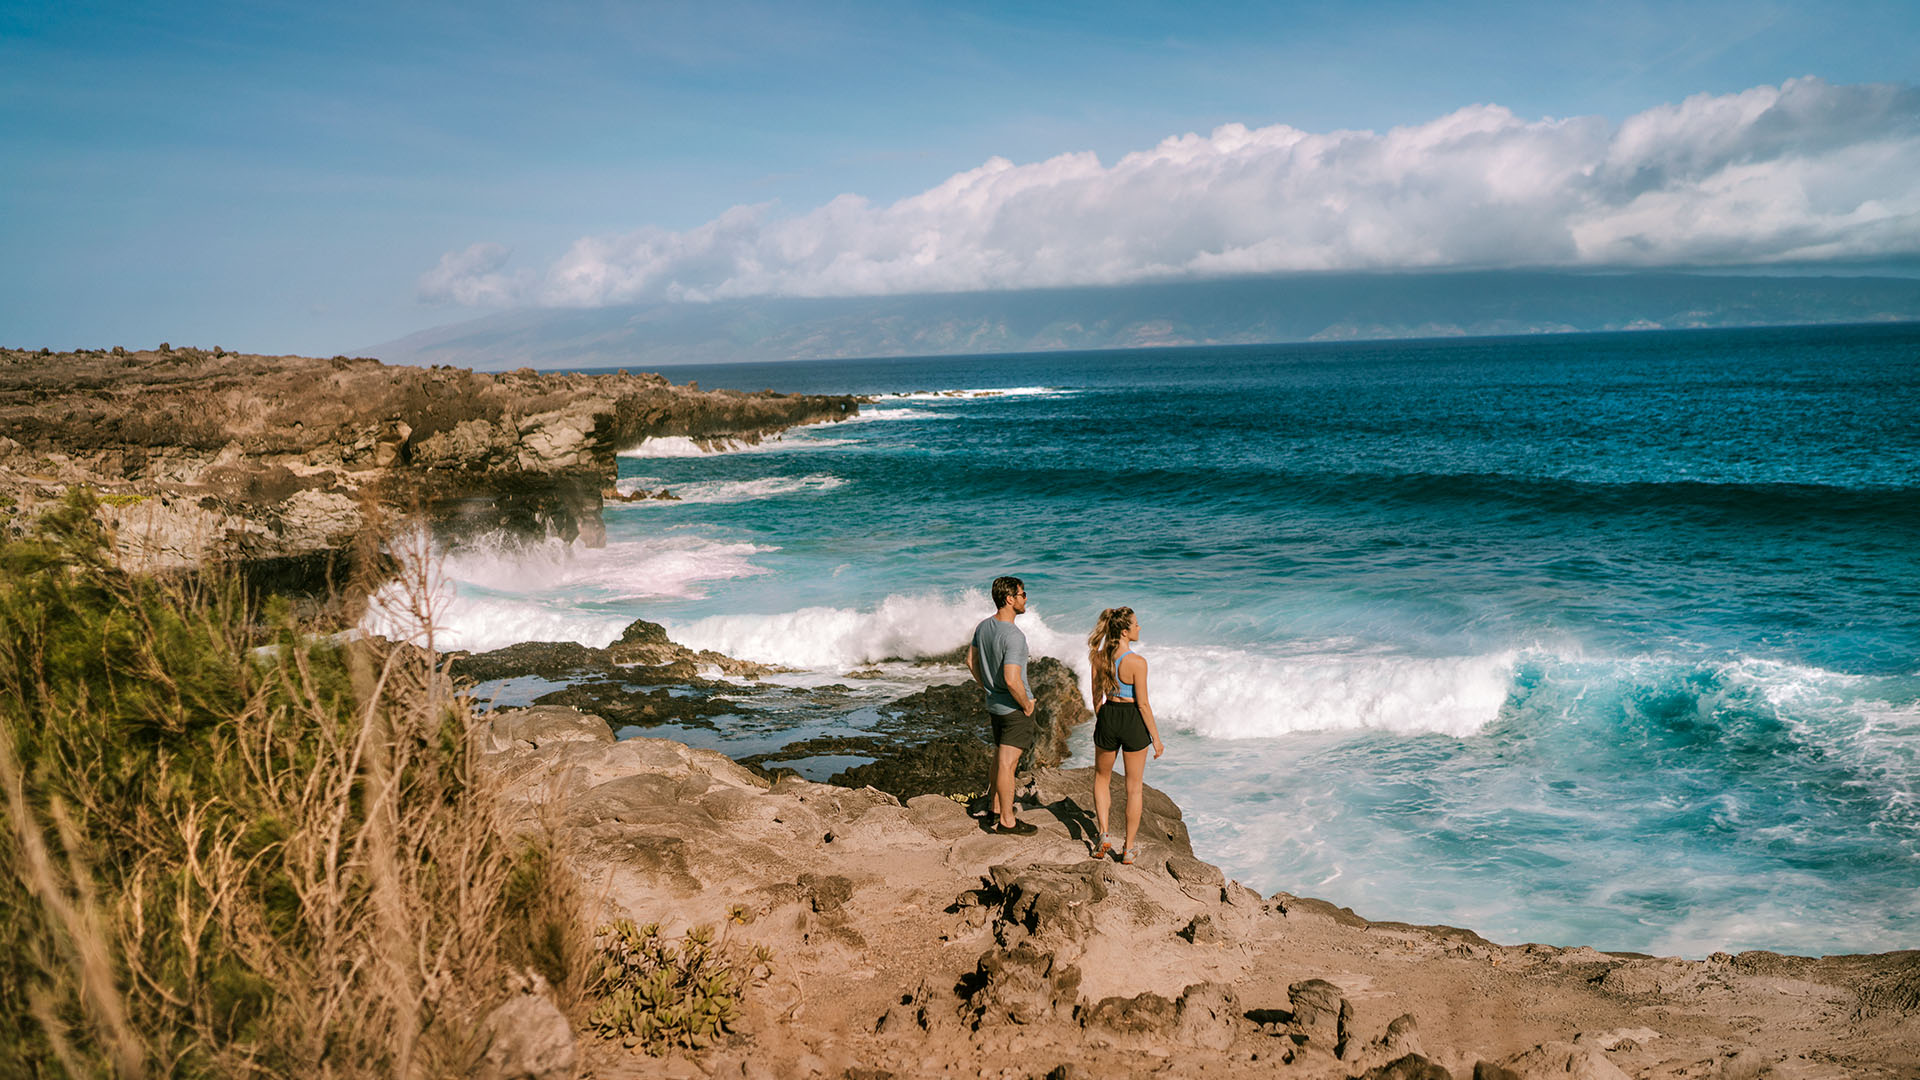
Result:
[1121,727]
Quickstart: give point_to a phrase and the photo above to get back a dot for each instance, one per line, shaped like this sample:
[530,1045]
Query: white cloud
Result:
[472,277]
[1802,171]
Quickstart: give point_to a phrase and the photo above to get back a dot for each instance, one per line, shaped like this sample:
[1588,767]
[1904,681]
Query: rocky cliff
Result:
[200,454]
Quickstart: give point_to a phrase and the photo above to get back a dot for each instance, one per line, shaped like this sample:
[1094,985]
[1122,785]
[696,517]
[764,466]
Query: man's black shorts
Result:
[1014,729]
[1121,727]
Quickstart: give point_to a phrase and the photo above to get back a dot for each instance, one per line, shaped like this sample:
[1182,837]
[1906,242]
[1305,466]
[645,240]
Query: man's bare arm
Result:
[973,667]
[1017,686]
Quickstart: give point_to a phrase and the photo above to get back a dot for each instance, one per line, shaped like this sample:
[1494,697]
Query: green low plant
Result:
[657,994]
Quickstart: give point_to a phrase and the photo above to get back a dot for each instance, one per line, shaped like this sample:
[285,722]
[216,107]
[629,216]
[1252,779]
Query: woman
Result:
[1123,721]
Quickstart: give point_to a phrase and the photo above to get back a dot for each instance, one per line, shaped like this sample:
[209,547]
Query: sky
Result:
[319,178]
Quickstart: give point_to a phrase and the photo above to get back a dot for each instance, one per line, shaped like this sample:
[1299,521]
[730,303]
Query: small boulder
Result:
[1202,930]
[1403,1037]
[527,1037]
[1322,1014]
[1562,1061]
[1190,871]
[1022,985]
[1052,901]
[1205,1016]
[1408,1067]
[1143,1014]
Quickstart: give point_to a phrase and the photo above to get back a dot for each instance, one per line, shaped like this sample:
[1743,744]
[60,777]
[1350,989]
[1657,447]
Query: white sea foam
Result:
[989,392]
[730,491]
[1239,694]
[680,446]
[839,638]
[870,415]
[497,592]
[1220,692]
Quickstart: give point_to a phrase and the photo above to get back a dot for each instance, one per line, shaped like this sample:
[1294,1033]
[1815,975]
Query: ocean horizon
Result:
[1600,638]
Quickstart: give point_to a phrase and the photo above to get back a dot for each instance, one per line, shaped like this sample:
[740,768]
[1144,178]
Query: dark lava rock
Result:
[547,659]
[623,705]
[1415,1067]
[949,765]
[939,741]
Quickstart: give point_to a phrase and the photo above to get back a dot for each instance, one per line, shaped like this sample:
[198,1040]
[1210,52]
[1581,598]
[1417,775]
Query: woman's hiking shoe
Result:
[1018,828]
[1107,846]
[1126,857]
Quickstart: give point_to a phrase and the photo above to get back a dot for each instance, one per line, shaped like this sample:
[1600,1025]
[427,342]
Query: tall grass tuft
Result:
[233,847]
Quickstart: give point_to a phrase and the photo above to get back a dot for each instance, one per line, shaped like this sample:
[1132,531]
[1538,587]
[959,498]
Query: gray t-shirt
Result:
[999,644]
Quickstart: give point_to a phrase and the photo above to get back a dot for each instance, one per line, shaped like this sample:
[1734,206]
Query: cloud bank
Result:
[1805,171]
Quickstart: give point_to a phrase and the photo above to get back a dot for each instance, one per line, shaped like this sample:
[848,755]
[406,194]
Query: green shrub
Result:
[657,995]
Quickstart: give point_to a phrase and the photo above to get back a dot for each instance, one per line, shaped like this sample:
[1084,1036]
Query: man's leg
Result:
[1003,783]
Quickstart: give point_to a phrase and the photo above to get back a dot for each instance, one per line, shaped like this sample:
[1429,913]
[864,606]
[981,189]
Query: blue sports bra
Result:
[1122,691]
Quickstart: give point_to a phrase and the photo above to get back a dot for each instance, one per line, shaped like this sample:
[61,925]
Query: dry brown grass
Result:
[231,860]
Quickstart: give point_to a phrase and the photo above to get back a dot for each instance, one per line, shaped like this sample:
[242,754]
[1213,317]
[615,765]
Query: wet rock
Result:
[949,765]
[547,659]
[1022,985]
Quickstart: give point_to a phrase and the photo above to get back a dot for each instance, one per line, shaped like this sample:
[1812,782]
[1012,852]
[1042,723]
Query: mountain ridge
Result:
[1236,311]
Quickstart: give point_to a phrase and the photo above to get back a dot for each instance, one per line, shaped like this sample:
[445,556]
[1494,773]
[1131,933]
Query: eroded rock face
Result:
[211,455]
[1023,985]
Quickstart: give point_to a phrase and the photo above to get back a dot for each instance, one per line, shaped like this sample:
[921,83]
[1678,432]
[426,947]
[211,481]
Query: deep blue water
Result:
[1599,638]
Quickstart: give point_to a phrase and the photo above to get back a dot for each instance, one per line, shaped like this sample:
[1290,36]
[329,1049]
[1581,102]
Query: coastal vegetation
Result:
[234,845]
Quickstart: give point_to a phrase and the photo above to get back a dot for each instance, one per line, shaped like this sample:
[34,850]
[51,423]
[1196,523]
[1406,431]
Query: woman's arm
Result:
[1139,681]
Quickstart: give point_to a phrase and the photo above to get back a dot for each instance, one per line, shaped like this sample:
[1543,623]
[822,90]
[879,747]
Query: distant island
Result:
[1236,311]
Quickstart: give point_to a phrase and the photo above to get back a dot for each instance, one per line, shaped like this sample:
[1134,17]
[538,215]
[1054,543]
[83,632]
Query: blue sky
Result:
[279,177]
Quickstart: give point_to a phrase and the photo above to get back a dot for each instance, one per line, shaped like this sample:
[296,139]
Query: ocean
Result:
[1606,639]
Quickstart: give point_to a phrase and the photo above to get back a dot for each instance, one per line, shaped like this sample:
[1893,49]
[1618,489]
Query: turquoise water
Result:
[1608,639]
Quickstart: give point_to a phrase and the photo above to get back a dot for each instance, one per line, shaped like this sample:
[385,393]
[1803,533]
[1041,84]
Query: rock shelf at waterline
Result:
[921,944]
[273,462]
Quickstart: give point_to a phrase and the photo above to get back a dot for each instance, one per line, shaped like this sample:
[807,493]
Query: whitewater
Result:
[1604,639]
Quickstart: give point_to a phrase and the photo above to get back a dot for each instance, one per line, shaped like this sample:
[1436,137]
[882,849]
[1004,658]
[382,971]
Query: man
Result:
[998,659]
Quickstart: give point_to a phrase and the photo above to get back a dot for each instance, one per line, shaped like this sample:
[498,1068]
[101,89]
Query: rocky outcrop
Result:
[911,943]
[207,454]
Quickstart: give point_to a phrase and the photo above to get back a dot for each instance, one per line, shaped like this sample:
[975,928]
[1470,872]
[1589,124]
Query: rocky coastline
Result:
[912,943]
[908,942]
[275,463]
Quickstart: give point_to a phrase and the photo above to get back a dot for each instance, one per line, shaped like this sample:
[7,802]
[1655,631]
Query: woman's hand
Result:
[1158,748]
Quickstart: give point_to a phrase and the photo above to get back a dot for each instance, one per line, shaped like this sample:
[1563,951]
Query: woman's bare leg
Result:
[1136,781]
[1102,787]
